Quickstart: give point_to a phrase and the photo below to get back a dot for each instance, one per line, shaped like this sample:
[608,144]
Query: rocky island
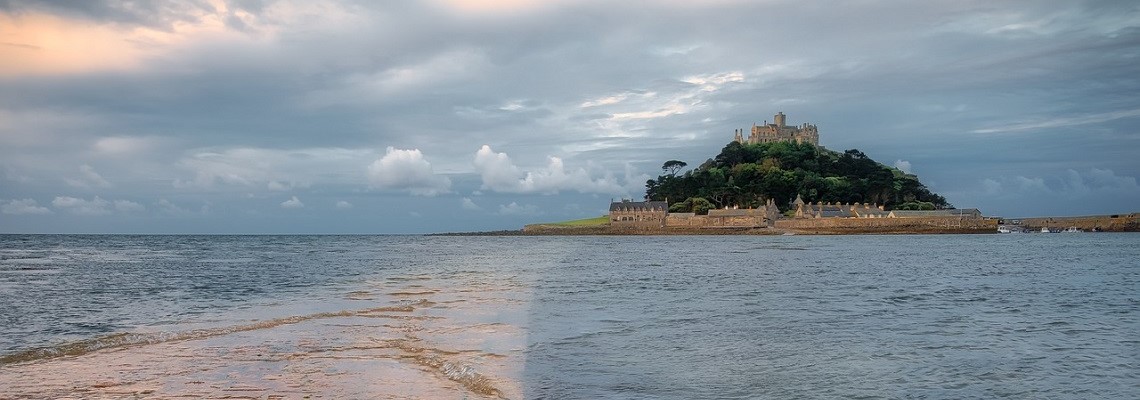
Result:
[778,180]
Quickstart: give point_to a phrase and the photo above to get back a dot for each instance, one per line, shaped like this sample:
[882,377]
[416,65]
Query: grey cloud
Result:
[967,90]
[159,14]
[22,207]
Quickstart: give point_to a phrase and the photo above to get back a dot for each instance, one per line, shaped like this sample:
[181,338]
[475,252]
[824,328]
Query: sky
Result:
[247,116]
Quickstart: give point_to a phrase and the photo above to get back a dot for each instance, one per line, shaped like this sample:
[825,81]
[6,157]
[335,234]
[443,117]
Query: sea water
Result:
[668,317]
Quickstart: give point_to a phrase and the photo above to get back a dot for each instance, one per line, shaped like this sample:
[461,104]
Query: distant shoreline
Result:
[1126,222]
[607,231]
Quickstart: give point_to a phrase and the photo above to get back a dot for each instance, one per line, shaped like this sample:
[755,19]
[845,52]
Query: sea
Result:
[1022,316]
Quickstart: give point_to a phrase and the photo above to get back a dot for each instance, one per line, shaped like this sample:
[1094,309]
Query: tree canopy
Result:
[746,175]
[672,167]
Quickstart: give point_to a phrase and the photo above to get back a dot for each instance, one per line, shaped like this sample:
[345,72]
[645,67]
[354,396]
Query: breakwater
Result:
[1106,223]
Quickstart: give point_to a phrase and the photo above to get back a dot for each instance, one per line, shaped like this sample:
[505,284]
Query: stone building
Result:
[638,213]
[779,131]
[654,214]
[837,210]
[866,210]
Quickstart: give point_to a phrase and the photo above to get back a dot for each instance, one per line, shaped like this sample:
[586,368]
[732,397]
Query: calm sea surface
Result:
[953,316]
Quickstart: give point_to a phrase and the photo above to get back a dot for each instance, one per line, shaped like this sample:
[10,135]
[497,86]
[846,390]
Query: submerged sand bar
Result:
[427,342]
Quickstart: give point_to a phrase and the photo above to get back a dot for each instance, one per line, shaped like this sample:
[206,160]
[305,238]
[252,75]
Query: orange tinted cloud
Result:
[39,44]
[44,44]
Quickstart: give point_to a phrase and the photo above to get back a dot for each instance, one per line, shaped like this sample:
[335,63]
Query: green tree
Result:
[672,167]
[748,174]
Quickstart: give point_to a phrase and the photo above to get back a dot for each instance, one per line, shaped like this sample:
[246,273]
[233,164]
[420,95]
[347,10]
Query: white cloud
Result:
[170,208]
[714,82]
[440,69]
[78,206]
[88,178]
[407,170]
[617,98]
[1069,184]
[1106,178]
[22,207]
[1059,122]
[903,166]
[1030,184]
[278,186]
[125,145]
[127,206]
[516,209]
[500,175]
[293,202]
[12,175]
[272,169]
[343,205]
[467,204]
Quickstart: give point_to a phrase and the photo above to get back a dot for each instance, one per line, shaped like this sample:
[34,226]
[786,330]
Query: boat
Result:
[1072,229]
[1006,229]
[1045,229]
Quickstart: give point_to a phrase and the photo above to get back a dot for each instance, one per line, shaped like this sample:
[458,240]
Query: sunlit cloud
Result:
[407,170]
[501,175]
[36,43]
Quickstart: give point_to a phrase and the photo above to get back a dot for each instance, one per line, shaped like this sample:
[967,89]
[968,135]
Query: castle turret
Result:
[780,119]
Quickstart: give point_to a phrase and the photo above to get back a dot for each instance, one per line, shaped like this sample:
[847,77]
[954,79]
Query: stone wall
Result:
[1107,223]
[716,220]
[888,224]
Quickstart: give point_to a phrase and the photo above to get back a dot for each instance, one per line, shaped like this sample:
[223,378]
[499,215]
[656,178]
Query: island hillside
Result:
[748,175]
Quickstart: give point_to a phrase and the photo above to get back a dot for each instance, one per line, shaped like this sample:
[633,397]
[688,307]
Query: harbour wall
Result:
[1106,223]
[889,225]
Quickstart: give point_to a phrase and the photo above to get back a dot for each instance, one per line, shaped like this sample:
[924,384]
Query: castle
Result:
[778,131]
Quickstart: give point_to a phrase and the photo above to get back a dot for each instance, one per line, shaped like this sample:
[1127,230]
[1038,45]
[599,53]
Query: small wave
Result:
[410,278]
[907,298]
[29,269]
[126,339]
[779,247]
[463,374]
[359,295]
[228,260]
[413,292]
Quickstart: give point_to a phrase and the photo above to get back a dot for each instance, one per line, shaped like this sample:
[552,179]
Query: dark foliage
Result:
[747,175]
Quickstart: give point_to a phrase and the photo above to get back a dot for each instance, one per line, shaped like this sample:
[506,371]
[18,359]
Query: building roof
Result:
[736,212]
[955,212]
[835,213]
[627,205]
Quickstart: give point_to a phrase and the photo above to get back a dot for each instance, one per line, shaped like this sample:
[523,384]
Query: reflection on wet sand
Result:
[460,339]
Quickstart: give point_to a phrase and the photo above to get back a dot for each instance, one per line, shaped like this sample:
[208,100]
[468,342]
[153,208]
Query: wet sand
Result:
[407,340]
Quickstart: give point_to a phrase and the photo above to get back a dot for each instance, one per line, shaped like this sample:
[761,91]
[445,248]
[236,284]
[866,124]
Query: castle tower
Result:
[779,131]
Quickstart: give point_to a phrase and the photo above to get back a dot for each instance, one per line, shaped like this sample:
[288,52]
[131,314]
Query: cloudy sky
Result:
[247,116]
